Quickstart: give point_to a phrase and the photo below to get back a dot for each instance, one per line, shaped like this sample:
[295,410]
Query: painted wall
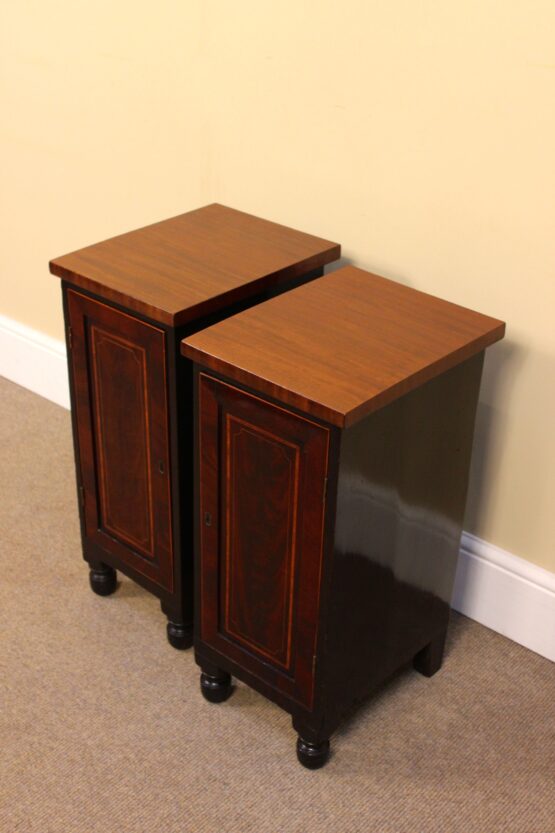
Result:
[418,133]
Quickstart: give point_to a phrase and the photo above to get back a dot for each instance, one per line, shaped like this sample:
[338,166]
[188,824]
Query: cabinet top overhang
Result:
[193,265]
[344,345]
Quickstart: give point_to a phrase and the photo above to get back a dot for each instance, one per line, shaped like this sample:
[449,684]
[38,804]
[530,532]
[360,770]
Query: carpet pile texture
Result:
[103,728]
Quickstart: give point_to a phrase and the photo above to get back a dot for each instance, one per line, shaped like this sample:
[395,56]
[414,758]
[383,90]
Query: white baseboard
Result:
[34,360]
[507,594]
[497,589]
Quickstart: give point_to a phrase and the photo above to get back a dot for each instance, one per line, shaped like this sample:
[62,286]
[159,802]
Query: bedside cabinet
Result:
[334,436]
[128,302]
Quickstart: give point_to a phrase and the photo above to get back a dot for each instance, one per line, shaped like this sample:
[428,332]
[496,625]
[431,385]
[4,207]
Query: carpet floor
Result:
[103,728]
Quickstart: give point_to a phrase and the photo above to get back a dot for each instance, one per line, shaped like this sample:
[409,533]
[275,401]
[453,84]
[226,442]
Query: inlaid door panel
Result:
[262,477]
[118,365]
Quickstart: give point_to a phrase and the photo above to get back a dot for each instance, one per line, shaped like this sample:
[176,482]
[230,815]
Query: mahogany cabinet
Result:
[334,434]
[128,302]
[121,408]
[263,474]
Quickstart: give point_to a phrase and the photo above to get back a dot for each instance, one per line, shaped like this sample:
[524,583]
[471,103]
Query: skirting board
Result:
[507,594]
[34,361]
[497,589]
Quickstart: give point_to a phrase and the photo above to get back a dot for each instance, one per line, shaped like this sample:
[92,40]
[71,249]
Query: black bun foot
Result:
[179,636]
[215,689]
[103,580]
[428,661]
[312,755]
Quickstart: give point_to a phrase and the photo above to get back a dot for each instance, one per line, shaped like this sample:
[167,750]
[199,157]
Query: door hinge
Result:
[313,665]
[70,337]
[82,497]
[325,490]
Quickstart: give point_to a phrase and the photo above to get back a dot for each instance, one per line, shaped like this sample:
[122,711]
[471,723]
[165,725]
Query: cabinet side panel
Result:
[402,487]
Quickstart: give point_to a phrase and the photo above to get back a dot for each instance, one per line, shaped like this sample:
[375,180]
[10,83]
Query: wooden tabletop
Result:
[344,345]
[195,264]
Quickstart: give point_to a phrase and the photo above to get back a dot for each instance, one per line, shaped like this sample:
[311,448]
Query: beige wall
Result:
[418,133]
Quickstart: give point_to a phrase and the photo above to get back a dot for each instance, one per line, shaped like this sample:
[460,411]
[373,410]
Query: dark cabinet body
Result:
[327,556]
[334,439]
[128,302]
[131,399]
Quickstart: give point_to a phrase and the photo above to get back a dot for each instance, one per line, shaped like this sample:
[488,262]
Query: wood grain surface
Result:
[195,264]
[261,525]
[344,345]
[120,400]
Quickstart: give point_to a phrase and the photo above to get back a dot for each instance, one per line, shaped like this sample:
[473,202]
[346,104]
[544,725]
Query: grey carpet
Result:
[103,727]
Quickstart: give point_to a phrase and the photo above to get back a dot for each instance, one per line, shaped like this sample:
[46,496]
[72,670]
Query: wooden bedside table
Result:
[334,428]
[128,302]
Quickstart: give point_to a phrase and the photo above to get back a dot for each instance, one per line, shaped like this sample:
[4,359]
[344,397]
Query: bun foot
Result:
[428,661]
[215,688]
[179,636]
[312,755]
[103,580]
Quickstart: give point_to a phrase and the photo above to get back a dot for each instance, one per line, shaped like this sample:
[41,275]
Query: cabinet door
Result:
[262,492]
[119,390]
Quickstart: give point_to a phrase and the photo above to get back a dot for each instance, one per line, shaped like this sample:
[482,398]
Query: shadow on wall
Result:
[339,264]
[502,367]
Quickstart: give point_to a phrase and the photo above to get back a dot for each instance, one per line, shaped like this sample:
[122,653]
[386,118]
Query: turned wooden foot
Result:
[215,687]
[429,659]
[103,579]
[312,755]
[179,636]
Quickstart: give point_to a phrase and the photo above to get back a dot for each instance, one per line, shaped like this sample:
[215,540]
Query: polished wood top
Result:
[195,264]
[344,345]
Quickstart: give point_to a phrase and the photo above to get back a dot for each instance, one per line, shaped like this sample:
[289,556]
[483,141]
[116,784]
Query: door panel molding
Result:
[124,451]
[143,543]
[262,482]
[282,599]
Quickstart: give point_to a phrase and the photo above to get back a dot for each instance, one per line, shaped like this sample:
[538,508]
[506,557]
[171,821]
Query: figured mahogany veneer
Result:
[190,266]
[121,409]
[344,346]
[128,302]
[262,556]
[334,428]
